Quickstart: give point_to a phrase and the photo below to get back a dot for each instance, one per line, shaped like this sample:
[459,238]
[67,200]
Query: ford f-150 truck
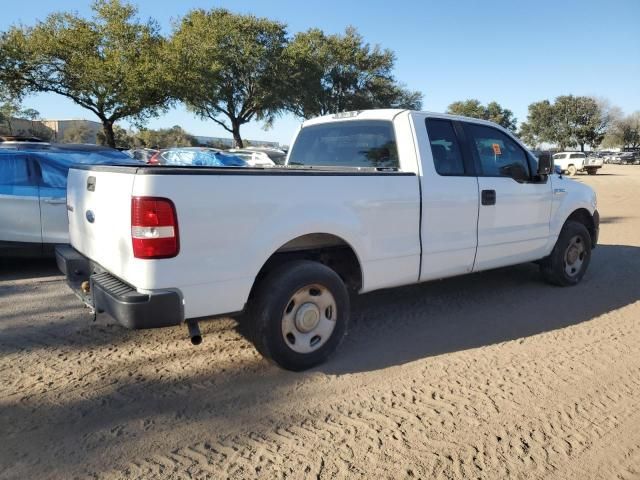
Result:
[366,200]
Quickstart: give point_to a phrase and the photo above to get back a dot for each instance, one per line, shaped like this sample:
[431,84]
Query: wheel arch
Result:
[583,216]
[329,249]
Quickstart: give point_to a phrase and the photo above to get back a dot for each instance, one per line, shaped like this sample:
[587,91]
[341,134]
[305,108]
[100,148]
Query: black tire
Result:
[274,295]
[554,267]
[592,171]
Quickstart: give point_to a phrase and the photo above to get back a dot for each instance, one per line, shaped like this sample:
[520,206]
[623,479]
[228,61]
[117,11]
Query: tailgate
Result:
[99,208]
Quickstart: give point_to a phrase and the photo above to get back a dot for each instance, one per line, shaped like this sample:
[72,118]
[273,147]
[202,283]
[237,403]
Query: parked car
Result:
[277,155]
[624,158]
[33,188]
[369,200]
[252,157]
[141,154]
[196,156]
[574,162]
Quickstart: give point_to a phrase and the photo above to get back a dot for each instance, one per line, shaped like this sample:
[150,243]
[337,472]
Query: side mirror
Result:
[545,163]
[515,171]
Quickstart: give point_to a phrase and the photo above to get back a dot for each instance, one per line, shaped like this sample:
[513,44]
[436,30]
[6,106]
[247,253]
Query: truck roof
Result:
[388,114]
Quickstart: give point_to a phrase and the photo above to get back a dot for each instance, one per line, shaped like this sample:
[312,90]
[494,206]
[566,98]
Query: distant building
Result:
[58,127]
[228,142]
[22,126]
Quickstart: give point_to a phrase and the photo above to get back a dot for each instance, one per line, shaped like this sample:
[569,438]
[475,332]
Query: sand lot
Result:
[493,375]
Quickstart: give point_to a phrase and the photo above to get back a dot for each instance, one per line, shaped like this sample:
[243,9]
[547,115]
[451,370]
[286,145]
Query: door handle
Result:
[488,197]
[55,201]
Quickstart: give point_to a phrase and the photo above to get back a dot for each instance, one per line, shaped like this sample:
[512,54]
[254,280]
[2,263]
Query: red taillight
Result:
[154,228]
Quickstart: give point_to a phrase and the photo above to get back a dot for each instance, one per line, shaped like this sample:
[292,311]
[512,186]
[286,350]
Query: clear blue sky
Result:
[510,51]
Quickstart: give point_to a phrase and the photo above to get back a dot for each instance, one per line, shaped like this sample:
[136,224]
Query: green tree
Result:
[111,64]
[539,125]
[493,112]
[337,73]
[165,138]
[568,122]
[624,132]
[229,67]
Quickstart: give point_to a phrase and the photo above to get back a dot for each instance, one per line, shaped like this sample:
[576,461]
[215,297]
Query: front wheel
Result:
[572,170]
[570,257]
[299,314]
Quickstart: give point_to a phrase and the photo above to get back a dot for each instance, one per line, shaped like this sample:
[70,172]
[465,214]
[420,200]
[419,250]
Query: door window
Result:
[499,155]
[447,157]
[14,170]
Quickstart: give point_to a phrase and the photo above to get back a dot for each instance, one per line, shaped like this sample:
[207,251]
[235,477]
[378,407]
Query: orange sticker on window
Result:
[496,149]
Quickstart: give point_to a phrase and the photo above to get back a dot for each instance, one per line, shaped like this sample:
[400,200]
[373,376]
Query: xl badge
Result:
[90,216]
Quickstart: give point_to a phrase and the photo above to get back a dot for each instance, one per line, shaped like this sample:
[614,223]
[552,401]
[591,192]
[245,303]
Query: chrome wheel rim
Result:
[574,256]
[309,319]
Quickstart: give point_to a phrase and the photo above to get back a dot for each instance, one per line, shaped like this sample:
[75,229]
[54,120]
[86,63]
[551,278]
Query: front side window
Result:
[360,143]
[447,157]
[499,155]
[14,170]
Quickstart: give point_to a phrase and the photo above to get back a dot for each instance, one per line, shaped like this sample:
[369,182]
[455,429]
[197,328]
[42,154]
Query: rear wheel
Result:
[570,257]
[592,171]
[299,315]
[572,170]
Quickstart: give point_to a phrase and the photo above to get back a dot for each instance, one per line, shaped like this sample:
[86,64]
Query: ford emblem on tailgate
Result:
[90,216]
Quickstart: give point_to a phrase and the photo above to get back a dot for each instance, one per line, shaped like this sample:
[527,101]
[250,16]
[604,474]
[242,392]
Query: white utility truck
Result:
[367,200]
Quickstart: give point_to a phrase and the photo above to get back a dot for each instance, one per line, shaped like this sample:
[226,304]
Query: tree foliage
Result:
[570,121]
[624,132]
[337,73]
[111,64]
[493,112]
[230,67]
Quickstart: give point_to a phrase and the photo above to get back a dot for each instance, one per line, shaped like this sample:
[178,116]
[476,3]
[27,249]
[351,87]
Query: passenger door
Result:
[19,206]
[515,204]
[449,200]
[53,201]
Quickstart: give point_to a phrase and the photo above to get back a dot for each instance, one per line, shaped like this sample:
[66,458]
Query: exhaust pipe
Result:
[194,332]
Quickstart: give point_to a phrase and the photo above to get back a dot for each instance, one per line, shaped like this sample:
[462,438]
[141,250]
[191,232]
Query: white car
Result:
[252,157]
[368,200]
[574,162]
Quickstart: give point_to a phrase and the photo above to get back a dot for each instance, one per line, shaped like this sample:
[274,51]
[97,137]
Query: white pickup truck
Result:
[367,200]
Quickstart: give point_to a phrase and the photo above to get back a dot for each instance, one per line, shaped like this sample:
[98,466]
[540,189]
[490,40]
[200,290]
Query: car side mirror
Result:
[545,164]
[515,171]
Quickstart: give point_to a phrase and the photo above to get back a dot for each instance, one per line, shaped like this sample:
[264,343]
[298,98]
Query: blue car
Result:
[196,156]
[33,189]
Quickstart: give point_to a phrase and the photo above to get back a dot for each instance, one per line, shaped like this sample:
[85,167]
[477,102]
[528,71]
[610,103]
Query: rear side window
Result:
[361,143]
[577,155]
[497,152]
[14,170]
[447,157]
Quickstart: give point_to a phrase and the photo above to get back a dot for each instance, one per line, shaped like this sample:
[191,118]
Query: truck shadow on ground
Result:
[390,328]
[397,326]
[26,268]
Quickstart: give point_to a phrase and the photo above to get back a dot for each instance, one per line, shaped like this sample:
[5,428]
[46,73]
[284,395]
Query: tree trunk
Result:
[237,139]
[582,147]
[109,138]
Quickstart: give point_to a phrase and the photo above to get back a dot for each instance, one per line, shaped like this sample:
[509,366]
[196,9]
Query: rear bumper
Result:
[108,294]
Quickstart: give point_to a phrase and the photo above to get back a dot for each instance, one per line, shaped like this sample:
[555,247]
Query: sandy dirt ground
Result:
[493,375]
